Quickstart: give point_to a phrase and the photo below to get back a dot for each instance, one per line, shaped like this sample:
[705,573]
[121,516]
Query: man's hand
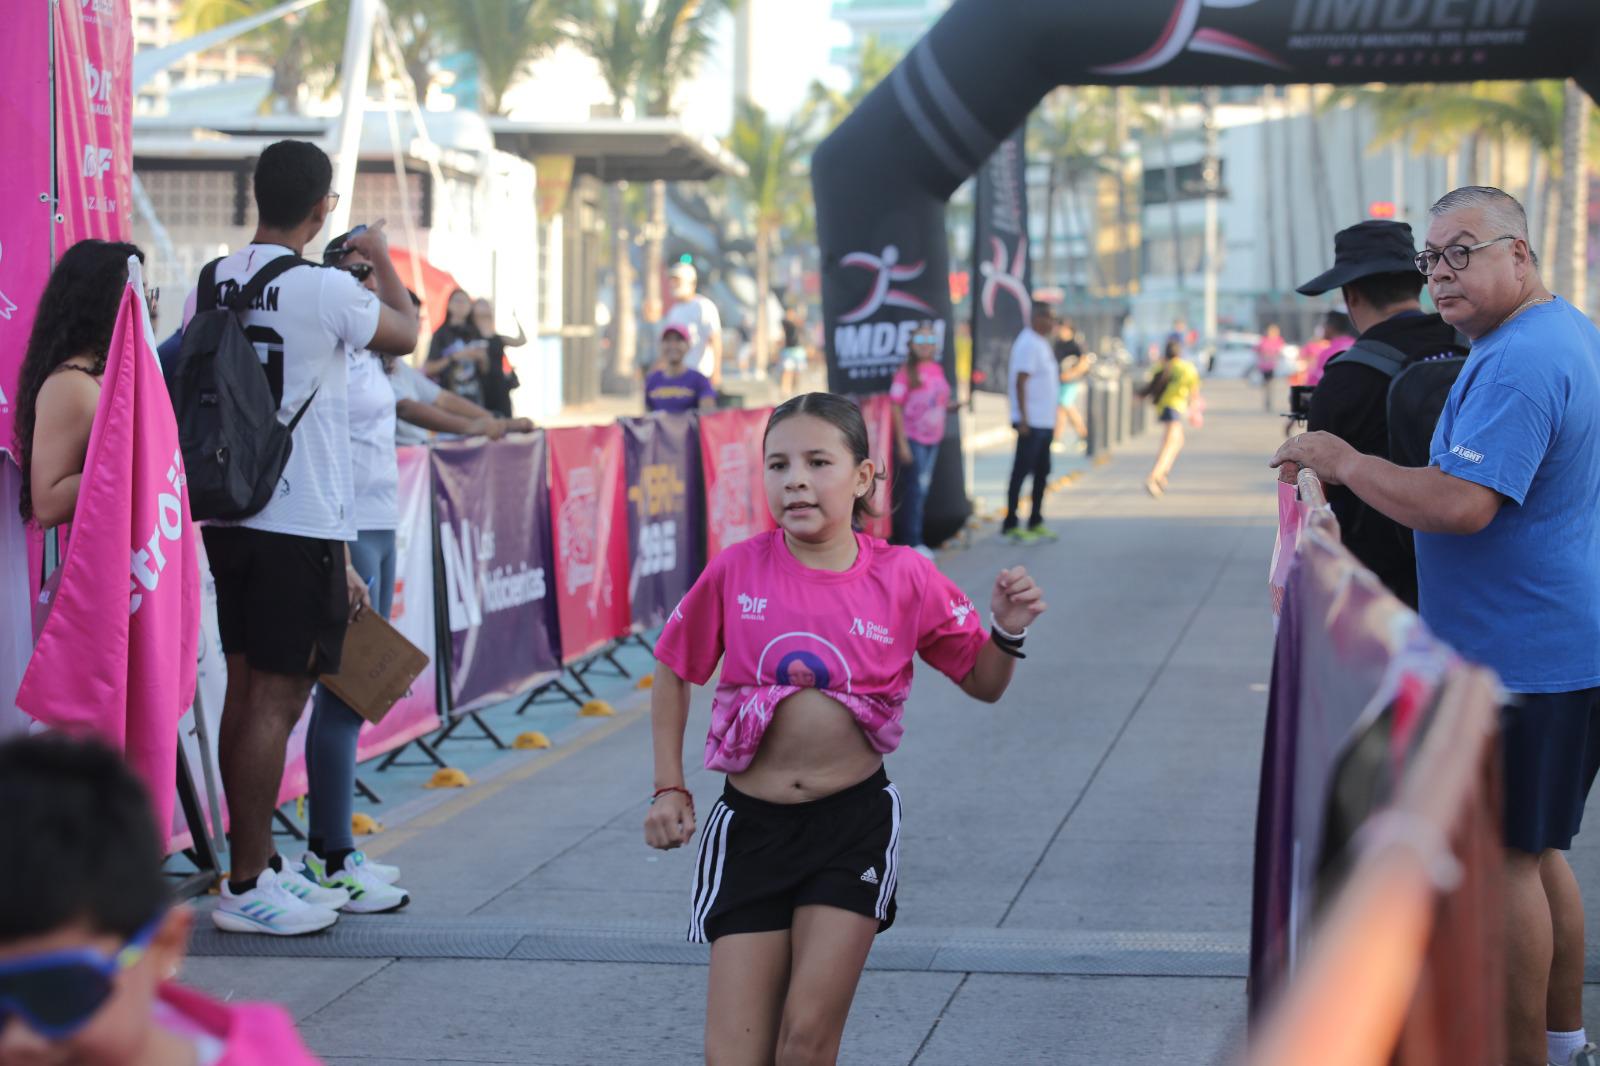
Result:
[519,425]
[1323,454]
[371,242]
[356,588]
[488,426]
[670,822]
[1022,429]
[1017,600]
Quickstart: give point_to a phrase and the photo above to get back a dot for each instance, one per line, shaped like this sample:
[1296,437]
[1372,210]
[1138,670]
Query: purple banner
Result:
[666,509]
[493,510]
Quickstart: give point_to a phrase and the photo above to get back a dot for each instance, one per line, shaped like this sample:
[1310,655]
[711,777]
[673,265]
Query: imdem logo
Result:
[474,586]
[95,10]
[100,84]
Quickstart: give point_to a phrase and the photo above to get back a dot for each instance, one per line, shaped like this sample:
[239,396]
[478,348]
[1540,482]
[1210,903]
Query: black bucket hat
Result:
[1375,246]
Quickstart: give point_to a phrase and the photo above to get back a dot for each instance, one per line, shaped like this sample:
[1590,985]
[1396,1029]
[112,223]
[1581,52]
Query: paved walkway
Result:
[1076,884]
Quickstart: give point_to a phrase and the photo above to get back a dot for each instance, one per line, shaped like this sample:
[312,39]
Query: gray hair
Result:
[1504,212]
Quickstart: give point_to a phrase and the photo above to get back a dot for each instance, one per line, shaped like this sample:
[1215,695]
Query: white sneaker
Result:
[317,867]
[368,894]
[269,908]
[381,870]
[293,878]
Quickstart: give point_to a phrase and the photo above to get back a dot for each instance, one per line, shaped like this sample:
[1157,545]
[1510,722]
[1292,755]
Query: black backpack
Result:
[1417,394]
[234,447]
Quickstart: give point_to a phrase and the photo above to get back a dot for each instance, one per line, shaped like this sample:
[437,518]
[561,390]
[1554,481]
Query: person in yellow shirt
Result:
[1173,387]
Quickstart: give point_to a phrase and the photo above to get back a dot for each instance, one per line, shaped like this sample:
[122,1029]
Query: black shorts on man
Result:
[282,600]
[1550,748]
[759,860]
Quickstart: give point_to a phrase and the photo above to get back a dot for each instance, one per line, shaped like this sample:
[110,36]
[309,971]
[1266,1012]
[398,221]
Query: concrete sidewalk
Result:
[1076,879]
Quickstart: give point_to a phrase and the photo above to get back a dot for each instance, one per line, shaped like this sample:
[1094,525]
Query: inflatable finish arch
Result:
[882,178]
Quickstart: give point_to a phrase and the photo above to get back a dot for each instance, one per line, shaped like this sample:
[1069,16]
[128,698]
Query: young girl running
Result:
[815,625]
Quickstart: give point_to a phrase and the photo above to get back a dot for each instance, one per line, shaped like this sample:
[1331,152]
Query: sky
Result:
[793,39]
[793,44]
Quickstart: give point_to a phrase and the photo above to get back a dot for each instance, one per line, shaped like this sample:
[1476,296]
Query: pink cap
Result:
[675,327]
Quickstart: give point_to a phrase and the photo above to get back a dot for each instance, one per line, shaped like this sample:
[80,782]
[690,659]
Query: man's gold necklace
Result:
[1532,301]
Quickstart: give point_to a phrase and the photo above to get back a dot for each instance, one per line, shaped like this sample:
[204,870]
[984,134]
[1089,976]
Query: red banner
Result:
[94,121]
[736,494]
[879,413]
[24,189]
[589,503]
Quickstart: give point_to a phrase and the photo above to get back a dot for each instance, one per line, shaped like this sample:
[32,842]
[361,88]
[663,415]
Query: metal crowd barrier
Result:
[1116,412]
[1406,965]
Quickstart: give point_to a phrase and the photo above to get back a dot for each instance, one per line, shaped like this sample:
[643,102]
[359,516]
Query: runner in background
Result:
[1173,388]
[1340,335]
[793,359]
[920,394]
[458,357]
[1269,349]
[675,386]
[90,944]
[814,625]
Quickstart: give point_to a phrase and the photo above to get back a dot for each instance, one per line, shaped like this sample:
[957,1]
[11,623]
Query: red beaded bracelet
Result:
[672,788]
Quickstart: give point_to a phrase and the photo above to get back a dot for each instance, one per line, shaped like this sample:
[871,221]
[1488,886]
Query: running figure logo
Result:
[996,277]
[888,270]
[1183,34]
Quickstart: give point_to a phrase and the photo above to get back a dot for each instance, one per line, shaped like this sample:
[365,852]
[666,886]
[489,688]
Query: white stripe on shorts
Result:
[708,865]
[891,857]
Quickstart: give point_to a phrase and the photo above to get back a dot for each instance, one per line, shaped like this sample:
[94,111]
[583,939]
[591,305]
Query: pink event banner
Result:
[94,119]
[24,189]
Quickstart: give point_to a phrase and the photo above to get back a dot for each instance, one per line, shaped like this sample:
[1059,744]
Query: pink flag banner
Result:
[112,660]
[94,119]
[25,207]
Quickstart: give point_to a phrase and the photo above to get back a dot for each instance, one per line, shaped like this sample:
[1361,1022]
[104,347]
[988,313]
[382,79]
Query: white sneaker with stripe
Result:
[269,908]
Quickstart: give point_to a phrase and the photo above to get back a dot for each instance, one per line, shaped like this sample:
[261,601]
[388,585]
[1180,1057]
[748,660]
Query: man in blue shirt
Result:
[1508,564]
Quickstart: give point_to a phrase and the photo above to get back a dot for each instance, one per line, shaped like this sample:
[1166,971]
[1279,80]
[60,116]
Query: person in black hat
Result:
[1374,268]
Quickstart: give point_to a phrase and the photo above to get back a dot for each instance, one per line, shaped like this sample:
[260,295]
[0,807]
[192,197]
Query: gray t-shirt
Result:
[409,383]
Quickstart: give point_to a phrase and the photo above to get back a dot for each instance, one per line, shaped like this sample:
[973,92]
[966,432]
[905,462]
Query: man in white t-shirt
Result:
[285,587]
[1032,389]
[700,316]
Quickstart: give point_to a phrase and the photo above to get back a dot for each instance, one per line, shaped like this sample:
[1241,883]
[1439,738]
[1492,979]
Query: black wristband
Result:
[1011,647]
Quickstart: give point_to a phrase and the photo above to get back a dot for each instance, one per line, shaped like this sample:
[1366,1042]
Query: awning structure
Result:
[613,149]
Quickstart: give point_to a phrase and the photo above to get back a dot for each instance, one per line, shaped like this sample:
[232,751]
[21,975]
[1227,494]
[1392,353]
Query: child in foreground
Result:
[815,625]
[89,940]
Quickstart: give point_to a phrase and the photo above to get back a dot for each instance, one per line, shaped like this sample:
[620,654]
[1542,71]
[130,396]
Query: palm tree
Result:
[676,39]
[1073,132]
[422,39]
[505,36]
[300,43]
[1572,243]
[1551,121]
[874,63]
[773,185]
[612,33]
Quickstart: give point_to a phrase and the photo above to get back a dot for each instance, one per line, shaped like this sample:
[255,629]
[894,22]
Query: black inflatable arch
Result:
[882,179]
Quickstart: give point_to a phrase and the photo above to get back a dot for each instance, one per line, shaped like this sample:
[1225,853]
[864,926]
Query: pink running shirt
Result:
[924,406]
[778,626]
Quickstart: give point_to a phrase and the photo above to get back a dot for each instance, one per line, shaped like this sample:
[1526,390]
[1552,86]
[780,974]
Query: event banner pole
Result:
[1002,262]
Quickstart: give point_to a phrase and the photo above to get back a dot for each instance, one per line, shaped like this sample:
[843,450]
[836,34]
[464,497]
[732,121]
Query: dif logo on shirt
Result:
[474,586]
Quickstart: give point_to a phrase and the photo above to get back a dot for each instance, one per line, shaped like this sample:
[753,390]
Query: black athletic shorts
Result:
[282,601]
[1550,746]
[758,860]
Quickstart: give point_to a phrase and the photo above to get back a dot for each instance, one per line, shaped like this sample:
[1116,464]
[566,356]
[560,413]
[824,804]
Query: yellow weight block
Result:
[531,741]
[364,825]
[596,709]
[449,777]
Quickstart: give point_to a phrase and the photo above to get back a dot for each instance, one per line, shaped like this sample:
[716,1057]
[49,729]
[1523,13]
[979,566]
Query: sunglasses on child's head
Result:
[57,992]
[924,338]
[360,271]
